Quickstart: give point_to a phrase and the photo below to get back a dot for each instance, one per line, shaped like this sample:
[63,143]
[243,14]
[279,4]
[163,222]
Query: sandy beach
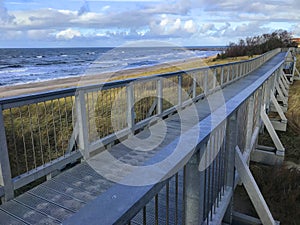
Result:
[23,89]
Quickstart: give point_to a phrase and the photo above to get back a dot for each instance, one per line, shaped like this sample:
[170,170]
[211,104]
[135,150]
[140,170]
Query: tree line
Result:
[259,44]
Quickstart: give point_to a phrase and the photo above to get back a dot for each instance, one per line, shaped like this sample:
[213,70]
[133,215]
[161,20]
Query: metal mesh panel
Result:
[57,198]
[26,214]
[38,133]
[43,206]
[106,112]
[70,191]
[167,206]
[170,92]
[6,219]
[187,86]
[145,99]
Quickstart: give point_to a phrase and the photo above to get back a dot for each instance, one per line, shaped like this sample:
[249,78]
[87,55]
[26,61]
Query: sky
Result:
[104,23]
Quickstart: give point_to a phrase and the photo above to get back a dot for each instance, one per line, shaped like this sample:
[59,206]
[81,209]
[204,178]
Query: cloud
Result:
[168,26]
[190,26]
[84,9]
[40,34]
[207,27]
[5,17]
[67,34]
[181,7]
[181,21]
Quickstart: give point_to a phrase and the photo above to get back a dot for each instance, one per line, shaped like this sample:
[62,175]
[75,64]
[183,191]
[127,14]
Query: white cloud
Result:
[67,34]
[207,27]
[190,26]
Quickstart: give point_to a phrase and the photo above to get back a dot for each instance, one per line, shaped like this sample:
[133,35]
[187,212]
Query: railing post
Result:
[228,74]
[130,107]
[249,128]
[231,142]
[194,190]
[83,132]
[159,96]
[215,79]
[222,76]
[194,86]
[179,90]
[233,72]
[5,172]
[259,106]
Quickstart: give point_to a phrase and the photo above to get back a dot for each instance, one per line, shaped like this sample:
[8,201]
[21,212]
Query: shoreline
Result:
[83,80]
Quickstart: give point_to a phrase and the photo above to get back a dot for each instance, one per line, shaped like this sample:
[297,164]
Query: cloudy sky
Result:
[68,23]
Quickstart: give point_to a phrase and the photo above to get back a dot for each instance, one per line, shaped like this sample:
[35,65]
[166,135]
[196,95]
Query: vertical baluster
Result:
[47,132]
[54,129]
[167,202]
[144,215]
[13,134]
[184,196]
[24,140]
[40,134]
[32,136]
[156,209]
[176,199]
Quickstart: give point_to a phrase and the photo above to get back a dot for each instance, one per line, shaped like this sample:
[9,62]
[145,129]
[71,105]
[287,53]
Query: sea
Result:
[28,65]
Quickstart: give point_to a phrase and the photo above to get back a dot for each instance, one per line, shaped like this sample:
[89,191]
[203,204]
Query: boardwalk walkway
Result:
[73,195]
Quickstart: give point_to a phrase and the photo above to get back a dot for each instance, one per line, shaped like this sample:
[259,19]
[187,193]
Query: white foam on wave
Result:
[11,70]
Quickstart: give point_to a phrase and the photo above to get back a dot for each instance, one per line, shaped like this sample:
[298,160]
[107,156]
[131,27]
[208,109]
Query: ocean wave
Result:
[11,70]
[51,63]
[10,66]
[142,63]
[20,81]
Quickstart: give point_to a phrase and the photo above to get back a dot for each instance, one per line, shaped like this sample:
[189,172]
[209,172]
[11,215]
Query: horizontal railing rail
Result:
[44,132]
